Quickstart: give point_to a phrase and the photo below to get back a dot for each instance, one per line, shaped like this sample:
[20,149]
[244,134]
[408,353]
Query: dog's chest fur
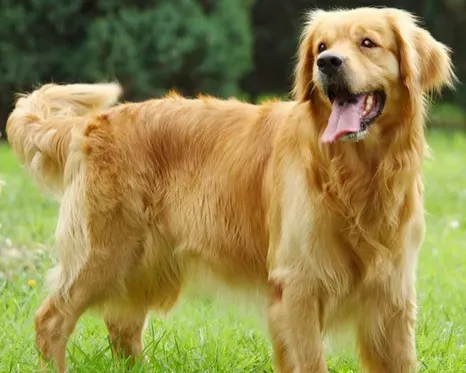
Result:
[347,236]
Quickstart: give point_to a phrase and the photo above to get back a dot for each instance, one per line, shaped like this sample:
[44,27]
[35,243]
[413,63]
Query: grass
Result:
[202,336]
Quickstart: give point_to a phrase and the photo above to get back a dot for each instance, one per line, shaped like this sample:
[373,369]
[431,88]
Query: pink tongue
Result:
[344,119]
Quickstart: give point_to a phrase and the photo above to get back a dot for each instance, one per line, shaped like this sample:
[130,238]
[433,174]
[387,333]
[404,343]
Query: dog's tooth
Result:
[369,103]
[364,113]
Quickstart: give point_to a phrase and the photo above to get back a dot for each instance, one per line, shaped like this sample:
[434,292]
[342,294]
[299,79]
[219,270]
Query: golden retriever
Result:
[315,201]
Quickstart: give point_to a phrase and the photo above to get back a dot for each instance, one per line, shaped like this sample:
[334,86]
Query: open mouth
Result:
[352,114]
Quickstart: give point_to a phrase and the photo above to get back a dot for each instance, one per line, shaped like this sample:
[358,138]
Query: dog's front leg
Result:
[297,306]
[295,315]
[386,335]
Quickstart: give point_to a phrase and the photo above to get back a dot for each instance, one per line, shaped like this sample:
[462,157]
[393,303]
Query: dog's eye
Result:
[322,47]
[368,43]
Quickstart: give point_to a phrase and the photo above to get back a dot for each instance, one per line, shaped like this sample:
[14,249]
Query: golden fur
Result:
[153,191]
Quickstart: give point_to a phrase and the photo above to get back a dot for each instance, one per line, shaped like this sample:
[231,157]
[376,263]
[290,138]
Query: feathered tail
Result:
[39,128]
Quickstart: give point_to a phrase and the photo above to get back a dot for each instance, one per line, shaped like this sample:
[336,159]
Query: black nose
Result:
[330,63]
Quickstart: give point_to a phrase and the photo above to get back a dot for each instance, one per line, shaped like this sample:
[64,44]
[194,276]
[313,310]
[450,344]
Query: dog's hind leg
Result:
[54,324]
[59,312]
[98,281]
[99,275]
[125,333]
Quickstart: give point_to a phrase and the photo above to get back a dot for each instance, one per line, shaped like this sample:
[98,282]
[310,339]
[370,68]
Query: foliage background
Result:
[220,47]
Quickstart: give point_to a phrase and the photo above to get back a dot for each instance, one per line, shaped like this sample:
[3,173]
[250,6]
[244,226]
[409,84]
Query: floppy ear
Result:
[303,84]
[425,63]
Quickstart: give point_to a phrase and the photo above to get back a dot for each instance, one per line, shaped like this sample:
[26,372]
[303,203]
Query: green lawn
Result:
[205,336]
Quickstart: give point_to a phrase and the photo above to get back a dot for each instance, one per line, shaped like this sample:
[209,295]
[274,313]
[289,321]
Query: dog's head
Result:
[362,64]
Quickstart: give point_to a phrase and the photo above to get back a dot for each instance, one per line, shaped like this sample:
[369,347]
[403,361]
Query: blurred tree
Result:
[34,38]
[277,26]
[193,46]
[149,46]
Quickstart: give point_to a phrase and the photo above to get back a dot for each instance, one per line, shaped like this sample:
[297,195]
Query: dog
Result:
[317,201]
